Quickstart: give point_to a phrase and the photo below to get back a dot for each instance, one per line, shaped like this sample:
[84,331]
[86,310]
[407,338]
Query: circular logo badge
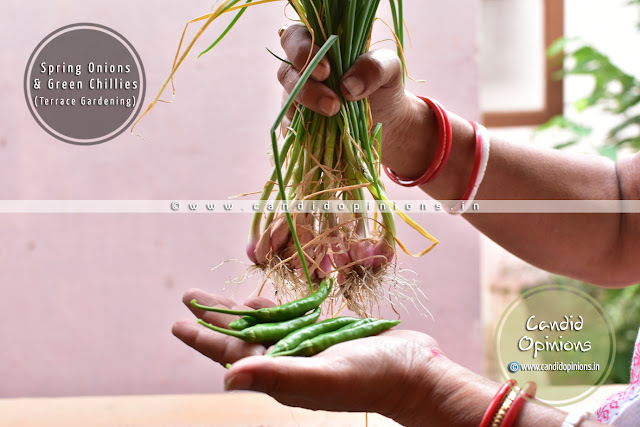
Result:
[84,84]
[560,338]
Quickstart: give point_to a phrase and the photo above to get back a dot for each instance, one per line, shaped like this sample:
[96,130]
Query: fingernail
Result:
[240,381]
[354,85]
[328,106]
[322,70]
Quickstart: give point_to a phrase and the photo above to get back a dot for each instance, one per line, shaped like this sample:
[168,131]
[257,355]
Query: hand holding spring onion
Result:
[334,159]
[409,128]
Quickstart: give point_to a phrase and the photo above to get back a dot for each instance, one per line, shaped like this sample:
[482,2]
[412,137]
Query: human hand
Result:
[409,129]
[396,373]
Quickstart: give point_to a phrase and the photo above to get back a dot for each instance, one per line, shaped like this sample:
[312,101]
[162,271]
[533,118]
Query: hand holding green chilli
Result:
[294,332]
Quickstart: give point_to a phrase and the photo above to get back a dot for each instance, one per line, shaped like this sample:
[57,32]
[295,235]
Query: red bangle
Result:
[527,392]
[496,402]
[448,139]
[476,163]
[445,139]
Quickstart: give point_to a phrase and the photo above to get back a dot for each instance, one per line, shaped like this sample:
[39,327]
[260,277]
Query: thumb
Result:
[372,71]
[312,383]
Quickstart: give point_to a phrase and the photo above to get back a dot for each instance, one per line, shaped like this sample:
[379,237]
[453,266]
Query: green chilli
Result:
[294,339]
[282,312]
[268,332]
[322,342]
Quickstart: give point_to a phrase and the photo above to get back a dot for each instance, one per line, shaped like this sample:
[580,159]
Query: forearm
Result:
[585,246]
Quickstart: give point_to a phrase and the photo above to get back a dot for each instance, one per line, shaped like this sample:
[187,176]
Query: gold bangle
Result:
[497,419]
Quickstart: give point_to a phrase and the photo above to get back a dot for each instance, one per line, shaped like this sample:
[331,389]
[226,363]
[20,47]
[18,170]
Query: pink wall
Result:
[87,300]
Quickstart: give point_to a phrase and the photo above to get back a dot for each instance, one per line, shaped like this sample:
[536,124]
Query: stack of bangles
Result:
[507,404]
[445,139]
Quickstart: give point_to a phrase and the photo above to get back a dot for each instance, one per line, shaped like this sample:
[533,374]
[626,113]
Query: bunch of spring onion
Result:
[326,159]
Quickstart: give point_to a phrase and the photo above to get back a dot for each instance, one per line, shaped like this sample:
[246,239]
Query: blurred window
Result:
[518,83]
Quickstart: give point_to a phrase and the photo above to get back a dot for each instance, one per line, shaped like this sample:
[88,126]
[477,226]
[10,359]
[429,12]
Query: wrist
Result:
[409,141]
[462,396]
[444,394]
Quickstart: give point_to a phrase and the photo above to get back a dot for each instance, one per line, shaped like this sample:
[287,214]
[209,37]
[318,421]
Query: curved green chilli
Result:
[268,332]
[294,339]
[322,342]
[281,312]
